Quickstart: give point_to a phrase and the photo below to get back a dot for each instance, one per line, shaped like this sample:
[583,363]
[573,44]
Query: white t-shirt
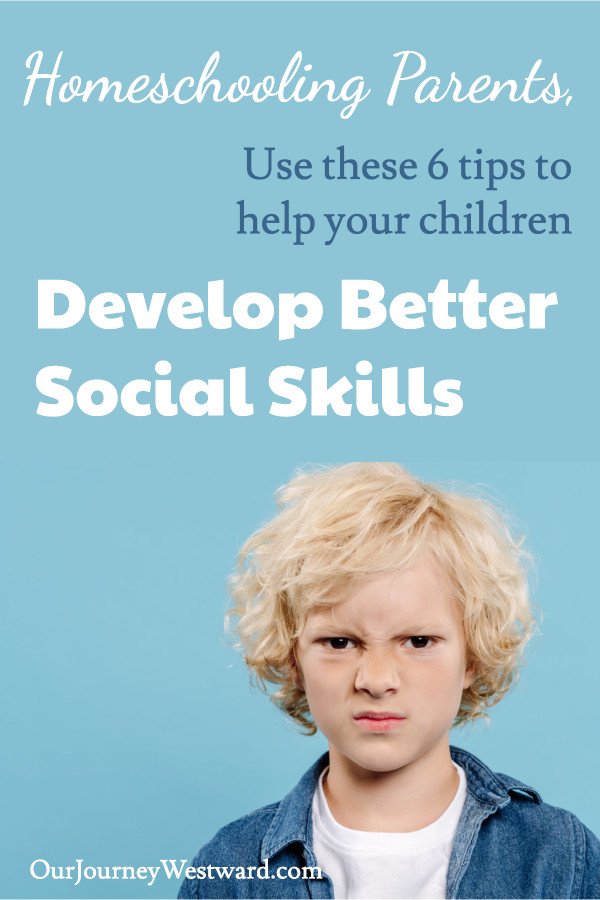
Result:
[383,865]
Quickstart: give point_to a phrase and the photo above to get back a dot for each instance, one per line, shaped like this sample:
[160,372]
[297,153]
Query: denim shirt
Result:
[508,844]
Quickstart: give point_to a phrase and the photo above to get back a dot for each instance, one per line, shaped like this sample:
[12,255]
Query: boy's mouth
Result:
[379,721]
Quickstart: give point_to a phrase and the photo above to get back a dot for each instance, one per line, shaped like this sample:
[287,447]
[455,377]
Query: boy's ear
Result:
[295,671]
[470,676]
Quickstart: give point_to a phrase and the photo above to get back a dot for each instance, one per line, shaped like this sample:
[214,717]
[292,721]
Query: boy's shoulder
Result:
[504,801]
[241,838]
[274,826]
[232,864]
[523,846]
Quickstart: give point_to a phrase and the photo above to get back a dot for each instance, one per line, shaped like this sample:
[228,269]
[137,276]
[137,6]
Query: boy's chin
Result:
[381,760]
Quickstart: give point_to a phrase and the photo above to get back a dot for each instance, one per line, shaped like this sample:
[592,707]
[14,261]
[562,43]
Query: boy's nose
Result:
[378,675]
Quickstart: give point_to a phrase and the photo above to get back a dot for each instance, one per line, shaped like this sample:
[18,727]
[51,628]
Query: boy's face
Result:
[384,669]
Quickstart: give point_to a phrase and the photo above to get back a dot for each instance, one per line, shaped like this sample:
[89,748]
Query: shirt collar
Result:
[293,820]
[489,787]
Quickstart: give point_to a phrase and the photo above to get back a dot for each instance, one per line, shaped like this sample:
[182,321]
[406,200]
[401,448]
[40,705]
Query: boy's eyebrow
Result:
[412,628]
[428,627]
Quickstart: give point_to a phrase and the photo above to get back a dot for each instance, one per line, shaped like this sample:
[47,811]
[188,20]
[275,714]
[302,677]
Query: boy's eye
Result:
[339,643]
[420,641]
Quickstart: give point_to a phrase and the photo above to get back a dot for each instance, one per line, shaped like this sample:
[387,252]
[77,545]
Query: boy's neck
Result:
[405,799]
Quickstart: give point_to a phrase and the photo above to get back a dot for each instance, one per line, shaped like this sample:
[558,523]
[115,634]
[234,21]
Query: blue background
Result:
[131,733]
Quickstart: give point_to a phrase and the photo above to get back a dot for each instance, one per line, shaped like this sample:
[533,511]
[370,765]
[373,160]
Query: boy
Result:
[387,610]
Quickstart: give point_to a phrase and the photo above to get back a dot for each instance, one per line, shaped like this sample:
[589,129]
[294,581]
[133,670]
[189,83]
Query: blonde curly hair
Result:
[339,525]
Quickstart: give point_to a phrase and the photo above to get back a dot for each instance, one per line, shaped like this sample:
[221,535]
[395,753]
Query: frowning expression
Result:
[384,668]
